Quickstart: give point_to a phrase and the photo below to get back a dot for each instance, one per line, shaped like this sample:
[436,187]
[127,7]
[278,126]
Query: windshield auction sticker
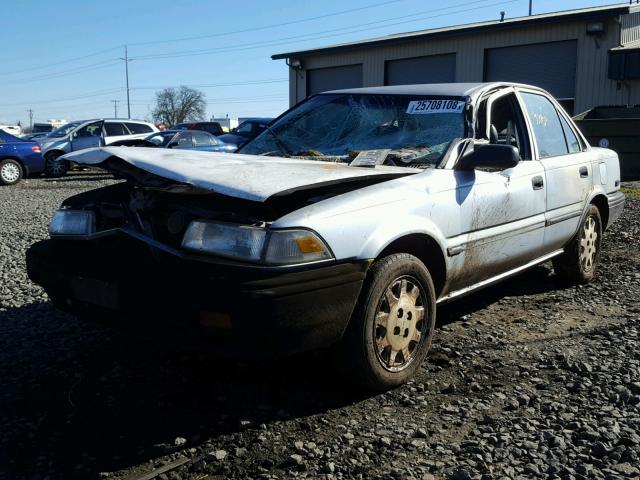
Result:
[421,107]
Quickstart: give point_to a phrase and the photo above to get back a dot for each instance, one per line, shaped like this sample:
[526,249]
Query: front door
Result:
[86,137]
[501,212]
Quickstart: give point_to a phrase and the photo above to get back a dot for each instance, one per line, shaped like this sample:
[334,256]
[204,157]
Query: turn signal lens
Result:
[287,247]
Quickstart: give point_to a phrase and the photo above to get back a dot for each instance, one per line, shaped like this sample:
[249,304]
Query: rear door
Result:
[114,131]
[567,166]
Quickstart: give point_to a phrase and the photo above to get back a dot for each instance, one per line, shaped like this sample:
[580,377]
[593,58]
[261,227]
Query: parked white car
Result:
[344,224]
[15,130]
[83,134]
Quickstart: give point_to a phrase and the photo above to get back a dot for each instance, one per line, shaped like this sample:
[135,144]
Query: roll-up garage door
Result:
[551,66]
[333,78]
[430,69]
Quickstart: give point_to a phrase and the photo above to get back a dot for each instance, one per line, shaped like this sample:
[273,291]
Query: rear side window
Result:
[184,139]
[113,129]
[572,140]
[546,126]
[203,139]
[136,128]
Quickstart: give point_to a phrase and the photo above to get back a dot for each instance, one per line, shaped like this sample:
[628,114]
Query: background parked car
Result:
[86,134]
[180,139]
[213,128]
[247,130]
[12,129]
[18,158]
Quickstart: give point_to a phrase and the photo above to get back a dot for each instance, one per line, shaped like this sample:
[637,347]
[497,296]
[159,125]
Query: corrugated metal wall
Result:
[630,28]
[592,85]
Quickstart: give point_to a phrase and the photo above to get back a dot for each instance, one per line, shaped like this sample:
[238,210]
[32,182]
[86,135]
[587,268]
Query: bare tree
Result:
[176,105]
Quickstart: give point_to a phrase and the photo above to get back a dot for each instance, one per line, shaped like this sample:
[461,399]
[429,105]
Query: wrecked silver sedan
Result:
[343,224]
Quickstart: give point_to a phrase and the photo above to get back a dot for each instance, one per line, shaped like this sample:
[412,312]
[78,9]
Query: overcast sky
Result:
[61,58]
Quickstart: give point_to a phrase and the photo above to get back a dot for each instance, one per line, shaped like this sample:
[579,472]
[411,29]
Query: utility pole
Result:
[126,72]
[530,7]
[30,118]
[115,108]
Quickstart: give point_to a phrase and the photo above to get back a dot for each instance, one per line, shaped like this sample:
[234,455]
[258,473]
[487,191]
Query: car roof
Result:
[257,119]
[437,89]
[129,120]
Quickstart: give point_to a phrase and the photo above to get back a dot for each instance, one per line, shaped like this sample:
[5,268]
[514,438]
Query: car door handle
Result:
[537,182]
[584,172]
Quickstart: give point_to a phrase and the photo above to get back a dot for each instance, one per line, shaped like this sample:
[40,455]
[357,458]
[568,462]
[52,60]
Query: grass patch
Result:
[633,193]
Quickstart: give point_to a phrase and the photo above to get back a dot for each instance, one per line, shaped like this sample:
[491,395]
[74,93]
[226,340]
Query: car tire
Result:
[11,171]
[55,167]
[579,262]
[392,326]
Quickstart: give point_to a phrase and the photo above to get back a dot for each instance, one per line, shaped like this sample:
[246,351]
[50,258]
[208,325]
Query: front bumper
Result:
[238,310]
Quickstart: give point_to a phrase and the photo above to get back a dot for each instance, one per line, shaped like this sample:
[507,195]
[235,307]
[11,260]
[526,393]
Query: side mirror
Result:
[172,145]
[499,157]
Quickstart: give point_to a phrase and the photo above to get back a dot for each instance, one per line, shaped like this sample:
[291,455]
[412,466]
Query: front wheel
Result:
[392,326]
[54,166]
[10,171]
[581,256]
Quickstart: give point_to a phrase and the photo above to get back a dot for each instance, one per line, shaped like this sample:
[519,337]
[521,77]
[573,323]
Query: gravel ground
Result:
[528,379]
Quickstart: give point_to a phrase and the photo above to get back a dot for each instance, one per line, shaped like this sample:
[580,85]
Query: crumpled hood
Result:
[250,177]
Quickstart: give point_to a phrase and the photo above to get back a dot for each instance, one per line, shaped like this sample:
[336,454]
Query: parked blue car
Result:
[181,139]
[18,158]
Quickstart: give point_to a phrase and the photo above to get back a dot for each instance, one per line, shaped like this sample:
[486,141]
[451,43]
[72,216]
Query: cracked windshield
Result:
[396,130]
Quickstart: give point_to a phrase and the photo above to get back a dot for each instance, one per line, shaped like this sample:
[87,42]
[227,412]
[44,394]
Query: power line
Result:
[64,73]
[266,27]
[324,33]
[110,91]
[70,60]
[208,85]
[96,93]
[155,42]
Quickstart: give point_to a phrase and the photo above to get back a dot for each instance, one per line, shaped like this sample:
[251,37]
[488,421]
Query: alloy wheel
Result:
[588,244]
[399,323]
[10,173]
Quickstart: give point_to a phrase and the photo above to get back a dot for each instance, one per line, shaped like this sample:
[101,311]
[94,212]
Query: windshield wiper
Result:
[278,141]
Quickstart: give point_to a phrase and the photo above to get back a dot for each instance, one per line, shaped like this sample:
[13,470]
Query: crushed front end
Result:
[123,262]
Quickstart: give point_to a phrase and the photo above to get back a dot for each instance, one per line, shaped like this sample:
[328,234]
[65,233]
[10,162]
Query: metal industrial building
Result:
[584,57]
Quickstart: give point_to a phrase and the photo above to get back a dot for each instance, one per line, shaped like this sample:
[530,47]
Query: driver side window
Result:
[507,125]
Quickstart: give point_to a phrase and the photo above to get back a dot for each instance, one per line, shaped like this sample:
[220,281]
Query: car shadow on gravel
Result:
[77,404]
[81,399]
[84,177]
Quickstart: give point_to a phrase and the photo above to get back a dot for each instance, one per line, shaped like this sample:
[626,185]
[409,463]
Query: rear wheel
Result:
[580,259]
[54,166]
[392,326]
[10,171]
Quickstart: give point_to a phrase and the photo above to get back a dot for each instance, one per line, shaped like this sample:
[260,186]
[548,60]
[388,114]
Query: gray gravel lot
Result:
[528,379]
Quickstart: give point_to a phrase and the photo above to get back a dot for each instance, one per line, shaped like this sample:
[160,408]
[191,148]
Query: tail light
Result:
[36,148]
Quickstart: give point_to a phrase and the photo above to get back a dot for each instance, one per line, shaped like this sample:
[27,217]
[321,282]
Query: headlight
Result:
[232,241]
[72,222]
[277,247]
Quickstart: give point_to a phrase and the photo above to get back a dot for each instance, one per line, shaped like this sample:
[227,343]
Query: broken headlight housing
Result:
[255,244]
[72,222]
